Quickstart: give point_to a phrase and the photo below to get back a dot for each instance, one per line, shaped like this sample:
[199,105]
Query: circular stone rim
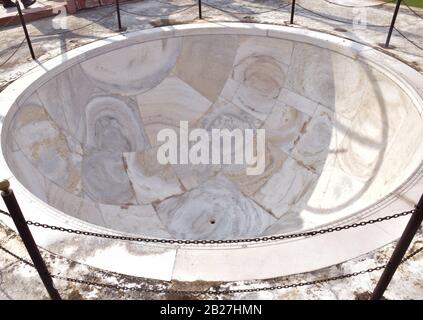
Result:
[215,262]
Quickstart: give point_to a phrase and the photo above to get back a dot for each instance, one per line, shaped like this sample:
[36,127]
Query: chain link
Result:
[232,291]
[228,241]
[219,292]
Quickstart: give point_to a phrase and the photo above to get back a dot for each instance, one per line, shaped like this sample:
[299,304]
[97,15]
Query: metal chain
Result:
[229,241]
[213,292]
[413,11]
[232,291]
[245,13]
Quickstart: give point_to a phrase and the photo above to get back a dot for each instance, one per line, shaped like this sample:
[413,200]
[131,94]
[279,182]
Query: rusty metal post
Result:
[394,19]
[404,242]
[23,23]
[200,10]
[118,15]
[292,11]
[30,245]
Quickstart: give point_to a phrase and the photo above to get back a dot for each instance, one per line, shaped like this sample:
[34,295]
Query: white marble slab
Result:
[114,124]
[285,126]
[105,179]
[288,189]
[215,210]
[261,79]
[115,73]
[139,220]
[151,180]
[53,153]
[205,63]
[65,97]
[169,103]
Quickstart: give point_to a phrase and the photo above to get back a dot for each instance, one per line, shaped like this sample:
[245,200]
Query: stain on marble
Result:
[261,79]
[90,211]
[225,115]
[65,101]
[313,144]
[169,103]
[285,125]
[47,146]
[215,210]
[205,63]
[289,222]
[114,124]
[373,130]
[24,170]
[349,90]
[134,69]
[278,49]
[139,220]
[343,191]
[151,180]
[250,184]
[311,74]
[193,176]
[393,171]
[75,206]
[298,102]
[104,178]
[287,190]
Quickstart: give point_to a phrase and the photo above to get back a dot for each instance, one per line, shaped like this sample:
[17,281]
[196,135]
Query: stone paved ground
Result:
[20,281]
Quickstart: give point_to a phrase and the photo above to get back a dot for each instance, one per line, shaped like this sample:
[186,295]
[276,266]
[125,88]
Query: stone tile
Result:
[261,79]
[215,210]
[336,192]
[289,222]
[319,75]
[114,71]
[250,184]
[65,97]
[105,179]
[312,147]
[78,207]
[225,115]
[285,125]
[169,103]
[47,147]
[205,62]
[139,220]
[151,180]
[298,102]
[114,124]
[278,49]
[287,190]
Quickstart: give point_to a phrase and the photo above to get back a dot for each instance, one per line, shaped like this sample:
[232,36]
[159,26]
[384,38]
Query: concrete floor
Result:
[91,25]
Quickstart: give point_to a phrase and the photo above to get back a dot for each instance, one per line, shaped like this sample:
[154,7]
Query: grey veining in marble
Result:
[151,180]
[105,179]
[114,124]
[65,97]
[205,63]
[85,141]
[215,210]
[134,69]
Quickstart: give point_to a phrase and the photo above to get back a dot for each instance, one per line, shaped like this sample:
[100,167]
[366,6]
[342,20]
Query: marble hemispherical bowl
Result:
[343,144]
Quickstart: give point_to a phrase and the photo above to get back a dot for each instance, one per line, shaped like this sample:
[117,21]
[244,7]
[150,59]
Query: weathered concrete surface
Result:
[407,283]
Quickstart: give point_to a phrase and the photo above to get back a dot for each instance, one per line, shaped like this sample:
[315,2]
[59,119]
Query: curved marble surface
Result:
[339,118]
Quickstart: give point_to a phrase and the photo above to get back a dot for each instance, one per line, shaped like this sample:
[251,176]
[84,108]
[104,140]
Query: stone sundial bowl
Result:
[343,130]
